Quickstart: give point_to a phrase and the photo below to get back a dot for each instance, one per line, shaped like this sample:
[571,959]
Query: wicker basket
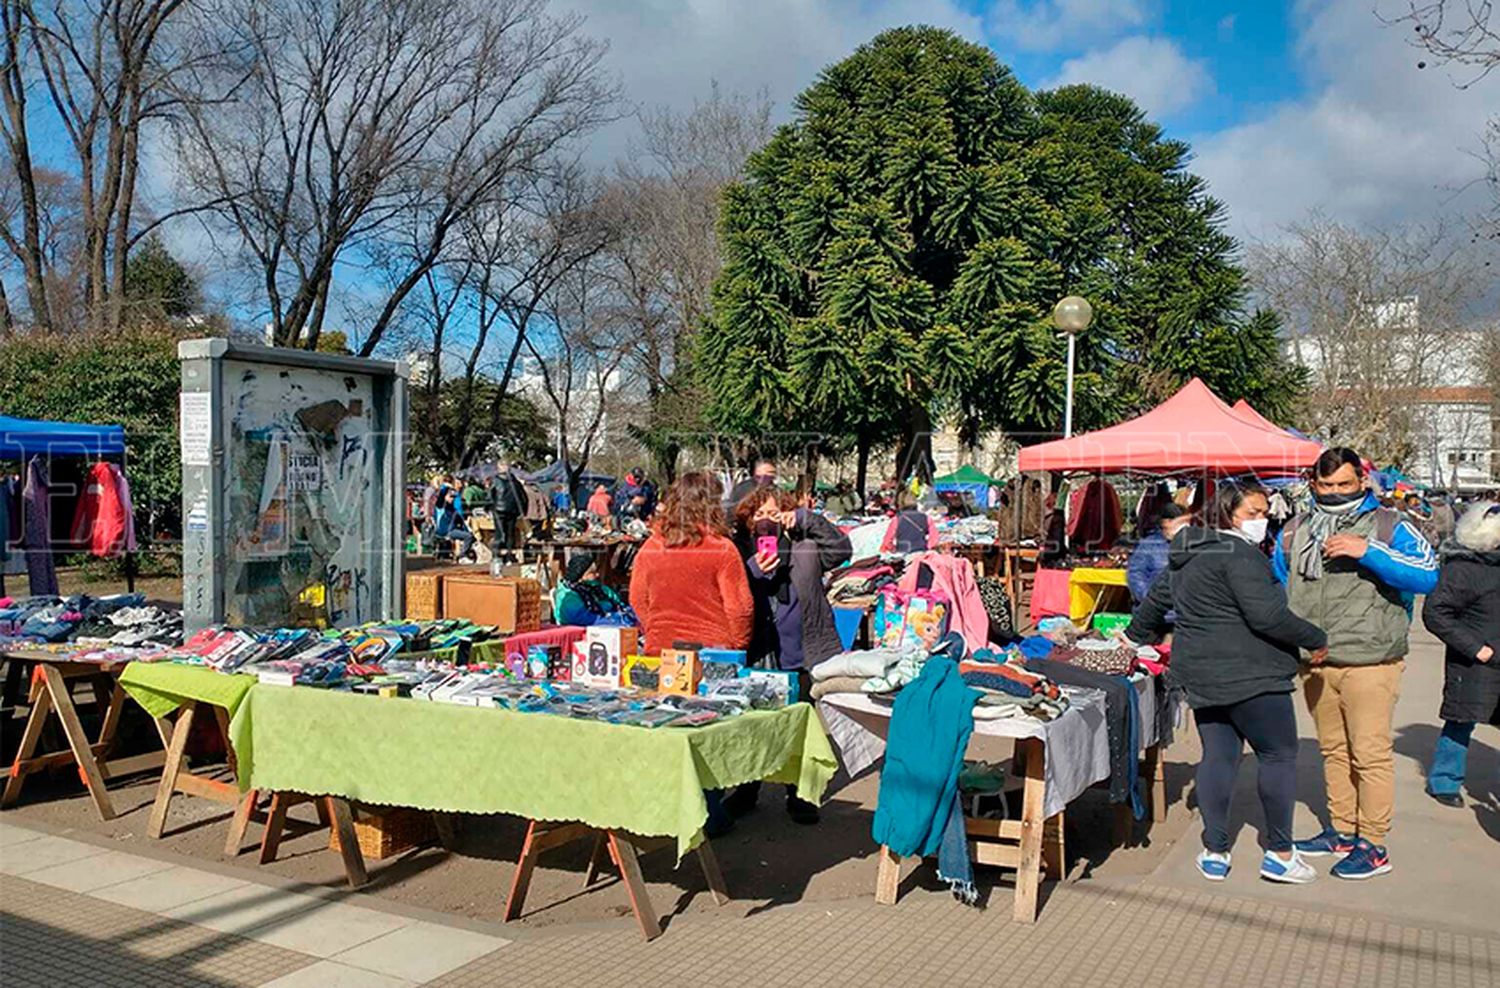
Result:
[424,593]
[389,832]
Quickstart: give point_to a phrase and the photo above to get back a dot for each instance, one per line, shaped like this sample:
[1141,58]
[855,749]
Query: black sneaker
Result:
[1452,799]
[801,811]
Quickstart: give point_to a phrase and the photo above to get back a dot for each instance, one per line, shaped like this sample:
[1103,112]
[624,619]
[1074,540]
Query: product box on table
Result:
[540,659]
[601,655]
[680,671]
[780,679]
[641,672]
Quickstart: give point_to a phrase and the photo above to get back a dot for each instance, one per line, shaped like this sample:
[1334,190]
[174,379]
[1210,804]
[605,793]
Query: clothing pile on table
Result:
[857,581]
[120,619]
[974,530]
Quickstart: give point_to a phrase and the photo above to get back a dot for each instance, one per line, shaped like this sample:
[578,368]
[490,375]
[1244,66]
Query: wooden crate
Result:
[424,593]
[513,605]
[388,832]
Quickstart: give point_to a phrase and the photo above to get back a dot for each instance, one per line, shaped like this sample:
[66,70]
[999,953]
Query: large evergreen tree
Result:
[894,254]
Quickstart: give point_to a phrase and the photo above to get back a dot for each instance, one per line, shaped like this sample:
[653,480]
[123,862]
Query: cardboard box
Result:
[539,660]
[511,605]
[641,672]
[601,655]
[680,671]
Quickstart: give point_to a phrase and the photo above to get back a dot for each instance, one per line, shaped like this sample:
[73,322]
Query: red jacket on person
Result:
[694,593]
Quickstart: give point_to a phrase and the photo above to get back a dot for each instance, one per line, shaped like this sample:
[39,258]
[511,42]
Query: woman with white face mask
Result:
[1235,653]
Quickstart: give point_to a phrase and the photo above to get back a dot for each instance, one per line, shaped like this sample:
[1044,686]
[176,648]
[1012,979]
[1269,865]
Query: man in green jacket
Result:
[1351,567]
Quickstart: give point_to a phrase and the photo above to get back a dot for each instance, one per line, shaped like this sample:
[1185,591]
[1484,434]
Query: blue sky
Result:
[1290,105]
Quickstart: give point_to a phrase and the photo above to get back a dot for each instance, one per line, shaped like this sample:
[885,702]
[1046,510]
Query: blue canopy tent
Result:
[554,476]
[22,438]
[969,480]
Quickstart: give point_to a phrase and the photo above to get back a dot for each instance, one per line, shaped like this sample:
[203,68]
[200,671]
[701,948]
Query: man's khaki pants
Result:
[1352,707]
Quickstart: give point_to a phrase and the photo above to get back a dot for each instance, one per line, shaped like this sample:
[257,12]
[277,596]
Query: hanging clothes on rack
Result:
[104,521]
[1096,519]
[37,537]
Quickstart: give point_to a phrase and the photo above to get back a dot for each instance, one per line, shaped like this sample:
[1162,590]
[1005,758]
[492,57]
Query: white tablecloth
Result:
[1077,742]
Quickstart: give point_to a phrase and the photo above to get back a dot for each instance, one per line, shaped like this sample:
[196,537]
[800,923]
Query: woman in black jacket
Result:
[1464,612]
[1234,652]
[794,628]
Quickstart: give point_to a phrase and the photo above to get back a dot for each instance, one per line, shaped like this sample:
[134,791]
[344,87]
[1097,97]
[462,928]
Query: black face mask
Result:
[1338,500]
[764,528]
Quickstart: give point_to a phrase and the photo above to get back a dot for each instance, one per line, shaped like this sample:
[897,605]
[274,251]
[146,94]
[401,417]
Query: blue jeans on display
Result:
[1449,758]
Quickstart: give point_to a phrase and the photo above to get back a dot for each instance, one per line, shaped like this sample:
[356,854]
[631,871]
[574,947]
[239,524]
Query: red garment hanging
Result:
[101,519]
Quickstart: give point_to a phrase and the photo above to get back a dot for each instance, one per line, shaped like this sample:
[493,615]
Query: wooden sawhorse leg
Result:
[1153,767]
[624,850]
[49,695]
[334,812]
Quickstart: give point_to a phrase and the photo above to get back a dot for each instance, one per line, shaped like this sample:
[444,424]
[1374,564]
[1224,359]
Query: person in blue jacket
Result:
[1352,567]
[1149,560]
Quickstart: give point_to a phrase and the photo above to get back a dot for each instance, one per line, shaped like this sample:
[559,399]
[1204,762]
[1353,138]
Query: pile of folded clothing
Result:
[1009,689]
[132,627]
[853,582]
[974,530]
[95,619]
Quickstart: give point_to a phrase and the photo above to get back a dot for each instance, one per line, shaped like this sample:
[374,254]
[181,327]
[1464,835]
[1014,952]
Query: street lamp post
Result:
[1072,315]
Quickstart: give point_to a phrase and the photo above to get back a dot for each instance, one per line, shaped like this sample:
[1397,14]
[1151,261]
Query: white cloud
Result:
[1048,25]
[1376,140]
[1152,71]
[666,52]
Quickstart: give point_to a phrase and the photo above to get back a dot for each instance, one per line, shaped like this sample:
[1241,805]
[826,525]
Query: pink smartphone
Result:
[766,545]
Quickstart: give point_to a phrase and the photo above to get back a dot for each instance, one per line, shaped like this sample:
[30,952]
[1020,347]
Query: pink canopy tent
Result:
[1194,430]
[1247,411]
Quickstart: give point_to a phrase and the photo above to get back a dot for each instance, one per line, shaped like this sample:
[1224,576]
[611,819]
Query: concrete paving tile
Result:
[328,974]
[245,908]
[169,889]
[97,871]
[44,852]
[328,928]
[421,951]
[10,834]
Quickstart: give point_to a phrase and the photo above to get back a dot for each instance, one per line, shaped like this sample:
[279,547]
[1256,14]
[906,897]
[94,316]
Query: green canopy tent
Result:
[967,479]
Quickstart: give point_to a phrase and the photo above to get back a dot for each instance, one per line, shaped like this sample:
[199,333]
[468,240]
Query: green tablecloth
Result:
[162,687]
[438,756]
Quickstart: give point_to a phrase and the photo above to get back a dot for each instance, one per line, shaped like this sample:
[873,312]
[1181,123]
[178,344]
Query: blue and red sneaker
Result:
[1365,861]
[1330,841]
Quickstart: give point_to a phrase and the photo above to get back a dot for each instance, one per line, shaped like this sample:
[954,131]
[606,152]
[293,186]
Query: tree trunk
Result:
[914,453]
[862,466]
[7,322]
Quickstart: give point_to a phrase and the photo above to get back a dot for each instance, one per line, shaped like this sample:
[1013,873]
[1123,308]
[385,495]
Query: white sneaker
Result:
[1212,865]
[1293,872]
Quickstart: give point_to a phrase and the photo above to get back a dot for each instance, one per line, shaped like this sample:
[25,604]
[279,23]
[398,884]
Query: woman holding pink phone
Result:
[787,551]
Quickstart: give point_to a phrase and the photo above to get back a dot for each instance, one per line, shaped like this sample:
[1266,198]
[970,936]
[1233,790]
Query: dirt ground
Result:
[767,860]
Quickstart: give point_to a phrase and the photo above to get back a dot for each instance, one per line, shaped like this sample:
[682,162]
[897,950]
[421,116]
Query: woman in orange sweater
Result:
[689,583]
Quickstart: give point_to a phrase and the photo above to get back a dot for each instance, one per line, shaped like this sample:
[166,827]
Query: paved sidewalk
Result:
[77,913]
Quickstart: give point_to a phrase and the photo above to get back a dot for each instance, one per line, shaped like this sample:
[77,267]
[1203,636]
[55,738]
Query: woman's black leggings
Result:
[1270,725]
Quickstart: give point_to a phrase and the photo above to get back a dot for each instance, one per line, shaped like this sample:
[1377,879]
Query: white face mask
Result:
[1255,529]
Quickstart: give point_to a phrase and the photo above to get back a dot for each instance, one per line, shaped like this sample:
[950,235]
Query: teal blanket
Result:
[930,727]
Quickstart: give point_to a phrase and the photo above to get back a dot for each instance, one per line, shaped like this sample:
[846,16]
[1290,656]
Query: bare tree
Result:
[349,128]
[1381,318]
[665,201]
[14,90]
[106,68]
[1464,33]
[578,357]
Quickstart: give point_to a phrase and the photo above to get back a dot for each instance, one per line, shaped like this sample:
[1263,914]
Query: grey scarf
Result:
[1321,523]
